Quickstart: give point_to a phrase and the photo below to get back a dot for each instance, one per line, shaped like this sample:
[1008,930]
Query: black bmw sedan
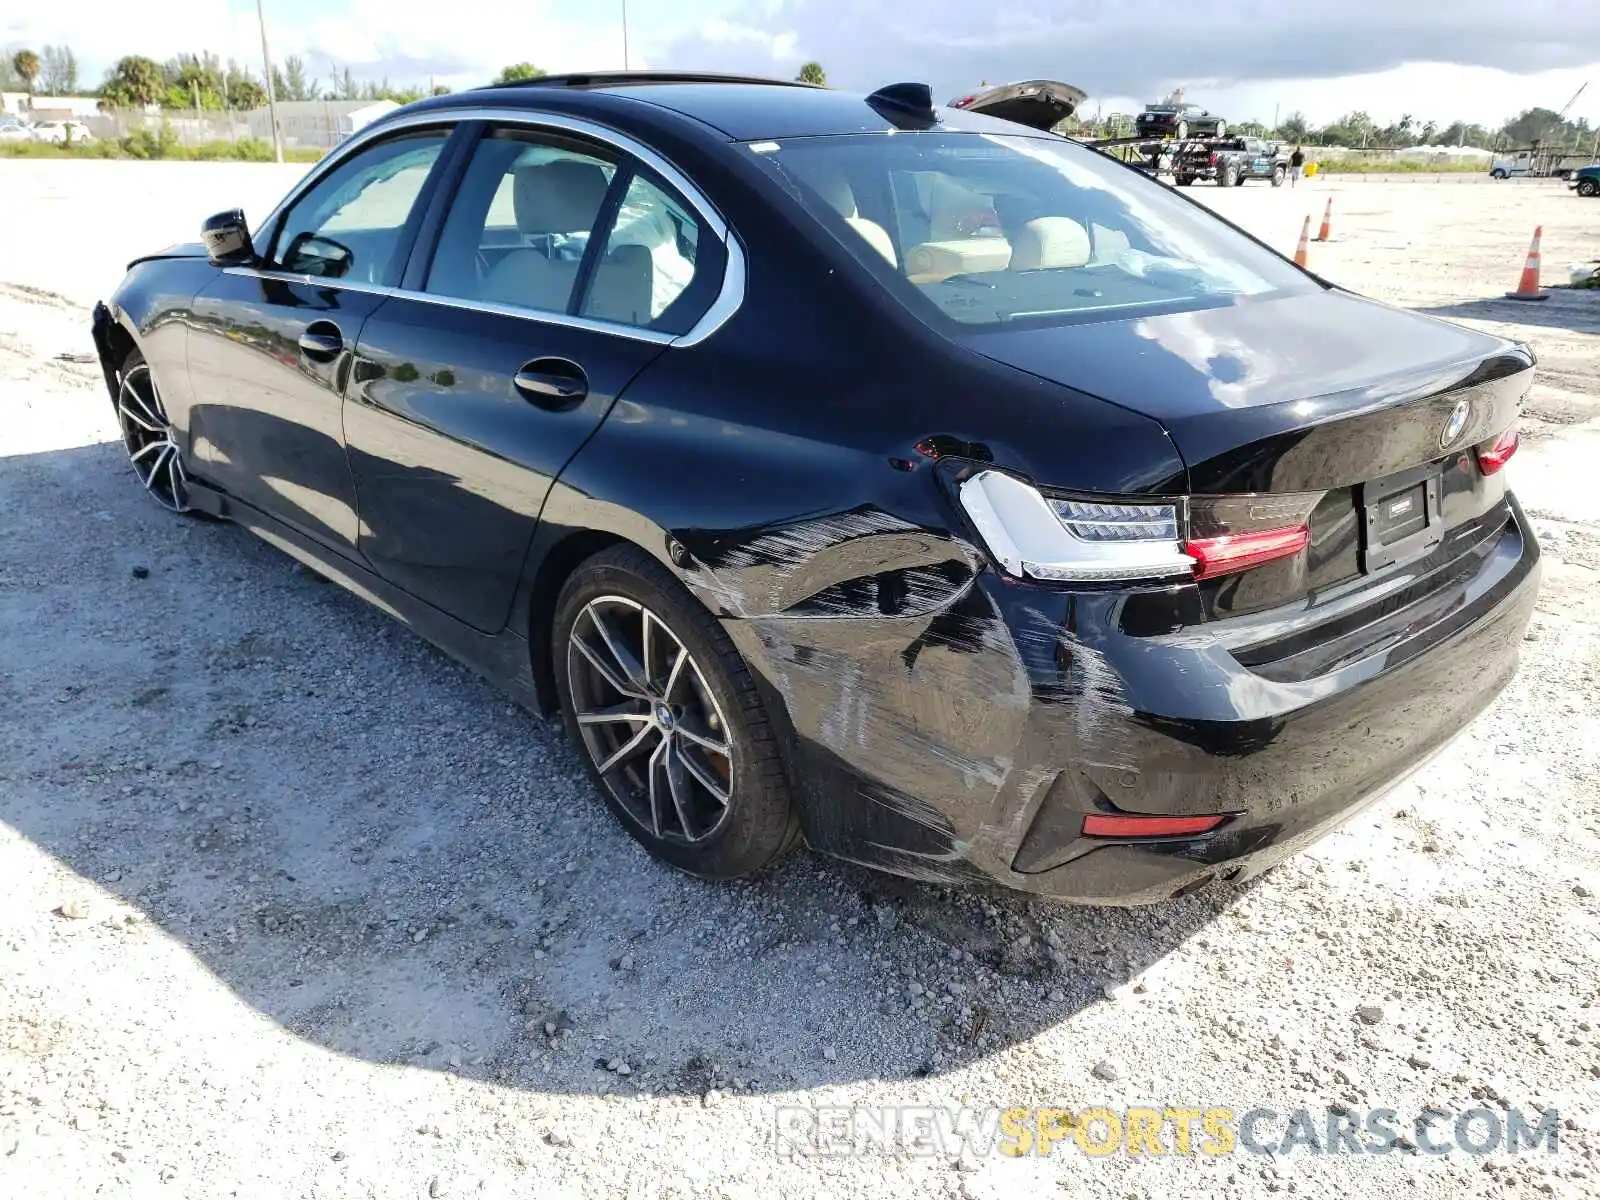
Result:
[915,484]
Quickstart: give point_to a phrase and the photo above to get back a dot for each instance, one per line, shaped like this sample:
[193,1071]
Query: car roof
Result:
[739,108]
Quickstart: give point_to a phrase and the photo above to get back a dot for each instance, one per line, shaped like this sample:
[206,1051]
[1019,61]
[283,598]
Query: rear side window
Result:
[985,230]
[554,225]
[521,221]
[351,224]
[652,272]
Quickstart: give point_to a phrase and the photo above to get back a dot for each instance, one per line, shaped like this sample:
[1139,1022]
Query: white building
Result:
[49,108]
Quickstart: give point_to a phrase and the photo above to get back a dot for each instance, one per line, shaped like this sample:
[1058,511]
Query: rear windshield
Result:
[987,230]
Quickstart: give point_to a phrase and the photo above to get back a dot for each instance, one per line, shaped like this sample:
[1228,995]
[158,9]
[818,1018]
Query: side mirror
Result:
[227,239]
[309,254]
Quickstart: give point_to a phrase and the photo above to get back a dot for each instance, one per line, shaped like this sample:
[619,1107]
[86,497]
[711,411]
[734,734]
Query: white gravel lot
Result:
[291,903]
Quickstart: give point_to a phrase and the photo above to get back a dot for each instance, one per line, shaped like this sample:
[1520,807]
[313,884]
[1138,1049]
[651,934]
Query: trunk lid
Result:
[1372,411]
[1036,103]
[1297,393]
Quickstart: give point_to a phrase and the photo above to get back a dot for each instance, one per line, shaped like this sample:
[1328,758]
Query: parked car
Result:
[13,130]
[960,502]
[1586,180]
[62,132]
[1230,162]
[1178,121]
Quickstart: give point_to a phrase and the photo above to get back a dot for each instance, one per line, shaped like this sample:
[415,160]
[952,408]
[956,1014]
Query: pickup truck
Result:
[1230,162]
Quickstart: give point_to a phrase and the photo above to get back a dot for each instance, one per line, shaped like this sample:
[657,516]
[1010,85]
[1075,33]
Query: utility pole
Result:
[625,35]
[272,96]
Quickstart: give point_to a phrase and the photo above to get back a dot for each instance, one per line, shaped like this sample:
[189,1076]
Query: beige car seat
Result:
[835,190]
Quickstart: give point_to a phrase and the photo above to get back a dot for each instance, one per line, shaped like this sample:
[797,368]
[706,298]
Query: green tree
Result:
[245,93]
[134,82]
[812,72]
[1294,128]
[344,86]
[60,71]
[441,90]
[1534,125]
[26,64]
[517,72]
[290,81]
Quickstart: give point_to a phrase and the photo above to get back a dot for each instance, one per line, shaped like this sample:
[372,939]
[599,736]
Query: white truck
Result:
[1537,163]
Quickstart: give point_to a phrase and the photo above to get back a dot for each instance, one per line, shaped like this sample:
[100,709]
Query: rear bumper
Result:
[1002,724]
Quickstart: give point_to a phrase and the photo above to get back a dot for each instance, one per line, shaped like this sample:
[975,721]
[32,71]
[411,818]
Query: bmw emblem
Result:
[1456,423]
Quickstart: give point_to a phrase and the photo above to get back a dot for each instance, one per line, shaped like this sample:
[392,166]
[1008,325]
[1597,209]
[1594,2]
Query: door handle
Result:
[553,383]
[321,341]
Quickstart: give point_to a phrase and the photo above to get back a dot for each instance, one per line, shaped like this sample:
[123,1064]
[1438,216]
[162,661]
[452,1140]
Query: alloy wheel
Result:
[148,436]
[649,721]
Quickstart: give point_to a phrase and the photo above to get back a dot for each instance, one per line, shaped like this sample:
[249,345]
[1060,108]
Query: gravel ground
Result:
[294,906]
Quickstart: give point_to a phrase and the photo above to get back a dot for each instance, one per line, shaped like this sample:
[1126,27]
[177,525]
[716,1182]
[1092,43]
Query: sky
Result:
[1478,60]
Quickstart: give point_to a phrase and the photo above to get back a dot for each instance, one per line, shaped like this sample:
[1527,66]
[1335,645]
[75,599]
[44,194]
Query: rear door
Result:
[270,344]
[557,270]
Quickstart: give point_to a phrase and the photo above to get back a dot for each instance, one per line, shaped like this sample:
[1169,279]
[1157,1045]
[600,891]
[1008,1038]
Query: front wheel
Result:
[148,436]
[1184,180]
[1589,187]
[1222,129]
[667,715]
[1497,174]
[1182,131]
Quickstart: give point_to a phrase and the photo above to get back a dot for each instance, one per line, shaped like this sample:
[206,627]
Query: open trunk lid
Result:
[1037,103]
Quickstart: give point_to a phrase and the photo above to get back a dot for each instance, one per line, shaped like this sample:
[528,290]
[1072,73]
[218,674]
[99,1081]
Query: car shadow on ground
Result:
[374,848]
[1564,308]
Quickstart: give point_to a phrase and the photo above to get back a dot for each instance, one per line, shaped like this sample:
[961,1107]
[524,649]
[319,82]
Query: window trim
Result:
[729,297]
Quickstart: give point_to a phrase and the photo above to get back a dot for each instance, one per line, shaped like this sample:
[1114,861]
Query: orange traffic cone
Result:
[1528,285]
[1300,251]
[1327,222]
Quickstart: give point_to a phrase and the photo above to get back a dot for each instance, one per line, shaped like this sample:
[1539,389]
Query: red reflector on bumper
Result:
[1492,458]
[1240,551]
[1109,825]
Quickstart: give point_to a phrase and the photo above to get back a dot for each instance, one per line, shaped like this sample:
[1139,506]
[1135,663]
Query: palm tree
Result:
[812,72]
[26,65]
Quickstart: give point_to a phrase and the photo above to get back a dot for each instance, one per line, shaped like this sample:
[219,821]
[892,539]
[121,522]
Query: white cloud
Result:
[1239,57]
[1242,53]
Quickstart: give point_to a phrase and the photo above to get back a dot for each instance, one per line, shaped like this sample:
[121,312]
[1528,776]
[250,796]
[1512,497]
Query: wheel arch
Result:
[549,574]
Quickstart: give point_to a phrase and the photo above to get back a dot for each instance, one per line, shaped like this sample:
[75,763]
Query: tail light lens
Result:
[1495,455]
[1194,537]
[1211,160]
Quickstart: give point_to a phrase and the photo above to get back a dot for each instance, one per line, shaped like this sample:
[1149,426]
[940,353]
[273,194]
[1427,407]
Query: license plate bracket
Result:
[1401,517]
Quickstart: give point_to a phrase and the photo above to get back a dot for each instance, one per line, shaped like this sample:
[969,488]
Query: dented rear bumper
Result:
[968,743]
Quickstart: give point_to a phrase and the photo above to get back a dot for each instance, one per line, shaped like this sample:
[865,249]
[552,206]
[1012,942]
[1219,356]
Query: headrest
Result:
[835,192]
[1046,242]
[563,196]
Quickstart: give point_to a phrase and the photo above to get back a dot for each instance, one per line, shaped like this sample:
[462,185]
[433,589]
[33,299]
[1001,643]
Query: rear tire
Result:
[1222,129]
[1184,180]
[1277,176]
[1497,174]
[1229,176]
[653,690]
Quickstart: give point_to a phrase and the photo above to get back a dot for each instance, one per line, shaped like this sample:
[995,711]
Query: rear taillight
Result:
[1106,541]
[1239,552]
[1211,160]
[1495,455]
[1228,534]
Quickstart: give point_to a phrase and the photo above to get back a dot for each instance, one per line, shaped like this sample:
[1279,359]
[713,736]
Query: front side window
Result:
[351,224]
[521,221]
[986,230]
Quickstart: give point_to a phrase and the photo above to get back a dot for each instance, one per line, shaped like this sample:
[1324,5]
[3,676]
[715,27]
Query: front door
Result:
[561,270]
[271,346]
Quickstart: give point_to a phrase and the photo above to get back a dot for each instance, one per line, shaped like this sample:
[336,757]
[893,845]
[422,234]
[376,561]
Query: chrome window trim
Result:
[728,299]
